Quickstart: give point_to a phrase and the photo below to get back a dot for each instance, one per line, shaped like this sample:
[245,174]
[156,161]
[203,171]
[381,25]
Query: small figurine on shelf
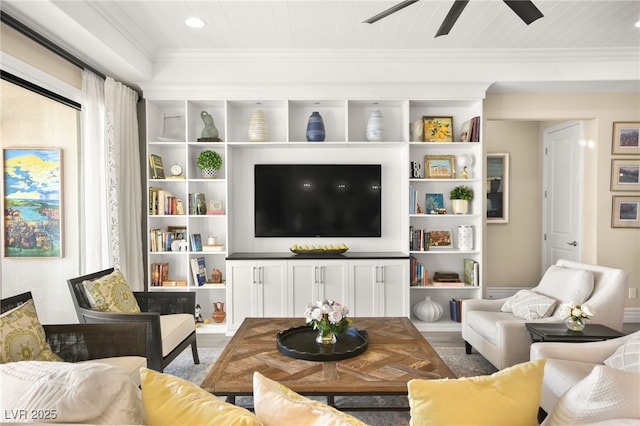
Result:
[464,174]
[419,210]
[198,315]
[216,276]
[210,132]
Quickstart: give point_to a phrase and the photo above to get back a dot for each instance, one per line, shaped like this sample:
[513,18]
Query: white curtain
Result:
[111,233]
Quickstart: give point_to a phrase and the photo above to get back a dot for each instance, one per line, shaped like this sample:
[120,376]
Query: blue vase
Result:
[315,128]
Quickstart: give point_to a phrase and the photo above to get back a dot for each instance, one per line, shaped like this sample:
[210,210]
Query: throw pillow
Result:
[605,394]
[170,400]
[508,397]
[627,356]
[22,337]
[88,393]
[111,293]
[566,285]
[529,305]
[277,405]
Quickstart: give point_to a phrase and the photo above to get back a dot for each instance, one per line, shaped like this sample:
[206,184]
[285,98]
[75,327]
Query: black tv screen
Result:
[318,200]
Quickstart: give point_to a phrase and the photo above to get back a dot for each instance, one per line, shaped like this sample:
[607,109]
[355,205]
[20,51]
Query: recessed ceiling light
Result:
[194,22]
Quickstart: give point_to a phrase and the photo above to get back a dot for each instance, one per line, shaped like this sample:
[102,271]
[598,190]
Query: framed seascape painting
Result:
[439,166]
[32,220]
[626,212]
[626,137]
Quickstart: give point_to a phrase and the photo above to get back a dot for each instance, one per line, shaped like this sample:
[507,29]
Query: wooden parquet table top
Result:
[397,353]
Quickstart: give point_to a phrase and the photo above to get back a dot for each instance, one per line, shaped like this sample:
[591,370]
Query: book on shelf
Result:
[455,309]
[418,273]
[196,242]
[418,239]
[212,247]
[199,270]
[163,202]
[161,239]
[446,283]
[471,272]
[157,169]
[197,203]
[174,283]
[159,273]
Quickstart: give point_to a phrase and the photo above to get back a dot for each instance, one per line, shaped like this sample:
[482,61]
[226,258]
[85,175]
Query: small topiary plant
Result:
[461,192]
[209,160]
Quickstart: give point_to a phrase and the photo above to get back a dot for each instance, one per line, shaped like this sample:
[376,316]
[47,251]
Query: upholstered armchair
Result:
[502,338]
[121,345]
[167,315]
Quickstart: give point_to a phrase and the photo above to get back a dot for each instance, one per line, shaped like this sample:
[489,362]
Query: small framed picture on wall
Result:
[625,175]
[626,212]
[626,138]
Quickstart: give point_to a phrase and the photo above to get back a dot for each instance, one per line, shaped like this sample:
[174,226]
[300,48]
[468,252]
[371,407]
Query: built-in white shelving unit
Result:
[174,126]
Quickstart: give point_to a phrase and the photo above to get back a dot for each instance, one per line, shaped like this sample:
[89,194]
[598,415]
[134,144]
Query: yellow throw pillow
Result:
[509,397]
[277,405]
[22,337]
[111,293]
[169,400]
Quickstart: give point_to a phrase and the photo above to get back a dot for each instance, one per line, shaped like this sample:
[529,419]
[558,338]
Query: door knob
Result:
[574,243]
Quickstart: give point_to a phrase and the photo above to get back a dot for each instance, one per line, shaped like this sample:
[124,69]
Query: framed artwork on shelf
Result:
[626,212]
[439,166]
[625,175]
[32,202]
[626,138]
[437,129]
[497,188]
[440,238]
[434,203]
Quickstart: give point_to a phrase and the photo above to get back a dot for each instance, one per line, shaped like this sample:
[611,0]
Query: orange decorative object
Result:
[218,312]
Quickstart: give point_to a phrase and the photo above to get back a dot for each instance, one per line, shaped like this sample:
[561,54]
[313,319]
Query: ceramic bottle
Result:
[315,128]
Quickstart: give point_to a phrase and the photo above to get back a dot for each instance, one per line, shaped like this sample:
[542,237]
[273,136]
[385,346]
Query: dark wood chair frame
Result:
[152,305]
[83,342]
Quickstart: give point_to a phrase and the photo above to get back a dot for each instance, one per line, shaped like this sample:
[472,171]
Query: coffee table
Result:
[397,353]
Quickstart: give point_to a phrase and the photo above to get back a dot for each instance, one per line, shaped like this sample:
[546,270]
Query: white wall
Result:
[394,189]
[615,247]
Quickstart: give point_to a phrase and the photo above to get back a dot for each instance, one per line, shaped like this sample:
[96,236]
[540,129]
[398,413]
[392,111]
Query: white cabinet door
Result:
[256,289]
[362,288]
[394,288]
[310,281]
[380,288]
[272,289]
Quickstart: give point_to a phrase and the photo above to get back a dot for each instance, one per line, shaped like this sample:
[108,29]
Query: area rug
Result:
[459,362]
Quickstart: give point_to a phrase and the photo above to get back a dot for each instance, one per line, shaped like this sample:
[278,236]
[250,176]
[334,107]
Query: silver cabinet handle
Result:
[573,243]
[254,275]
[315,275]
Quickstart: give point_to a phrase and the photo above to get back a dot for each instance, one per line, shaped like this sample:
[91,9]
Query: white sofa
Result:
[594,383]
[502,338]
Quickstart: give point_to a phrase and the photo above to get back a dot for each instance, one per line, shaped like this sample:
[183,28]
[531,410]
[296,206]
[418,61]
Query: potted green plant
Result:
[209,162]
[460,197]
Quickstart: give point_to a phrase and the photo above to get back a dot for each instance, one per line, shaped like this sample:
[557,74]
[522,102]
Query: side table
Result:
[558,332]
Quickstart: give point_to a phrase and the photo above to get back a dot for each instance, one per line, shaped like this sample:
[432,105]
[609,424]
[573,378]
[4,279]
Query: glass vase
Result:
[326,337]
[576,324]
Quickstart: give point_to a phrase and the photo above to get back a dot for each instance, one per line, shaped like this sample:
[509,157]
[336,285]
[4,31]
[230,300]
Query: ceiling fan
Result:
[525,9]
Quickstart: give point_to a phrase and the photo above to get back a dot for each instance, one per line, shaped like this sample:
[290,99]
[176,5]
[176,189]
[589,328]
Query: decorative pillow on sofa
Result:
[88,393]
[627,356]
[277,405]
[508,397]
[605,394]
[22,337]
[170,400]
[529,305]
[111,293]
[566,284]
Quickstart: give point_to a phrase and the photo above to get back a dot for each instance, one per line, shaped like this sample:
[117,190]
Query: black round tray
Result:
[300,343]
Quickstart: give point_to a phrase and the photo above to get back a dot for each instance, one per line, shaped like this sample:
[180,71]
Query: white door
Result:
[272,289]
[562,192]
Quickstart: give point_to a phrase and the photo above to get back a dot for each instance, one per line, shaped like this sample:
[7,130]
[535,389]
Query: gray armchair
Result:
[168,316]
[502,338]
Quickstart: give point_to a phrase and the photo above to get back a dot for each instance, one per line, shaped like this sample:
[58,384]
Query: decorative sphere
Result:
[427,310]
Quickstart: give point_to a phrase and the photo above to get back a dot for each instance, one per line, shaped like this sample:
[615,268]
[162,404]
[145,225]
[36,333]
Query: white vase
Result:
[465,237]
[258,128]
[375,127]
[459,206]
[427,310]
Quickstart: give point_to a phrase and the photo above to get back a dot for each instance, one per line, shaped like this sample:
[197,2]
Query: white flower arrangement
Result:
[575,311]
[327,316]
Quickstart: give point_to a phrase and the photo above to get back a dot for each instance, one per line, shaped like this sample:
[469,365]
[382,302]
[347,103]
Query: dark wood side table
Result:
[558,332]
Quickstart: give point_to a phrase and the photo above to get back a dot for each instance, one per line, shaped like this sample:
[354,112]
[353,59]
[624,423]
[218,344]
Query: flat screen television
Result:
[318,200]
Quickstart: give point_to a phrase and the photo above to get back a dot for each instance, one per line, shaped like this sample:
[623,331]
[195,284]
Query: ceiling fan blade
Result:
[451,18]
[525,9]
[389,11]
